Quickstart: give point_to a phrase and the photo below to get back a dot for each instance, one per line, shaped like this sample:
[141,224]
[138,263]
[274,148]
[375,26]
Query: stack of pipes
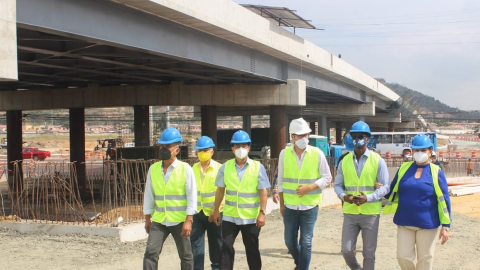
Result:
[465,189]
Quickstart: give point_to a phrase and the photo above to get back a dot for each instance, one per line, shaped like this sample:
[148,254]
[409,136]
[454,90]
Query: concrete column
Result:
[312,127]
[209,123]
[278,129]
[8,37]
[77,147]
[361,118]
[391,127]
[338,132]
[322,126]
[247,124]
[14,147]
[141,125]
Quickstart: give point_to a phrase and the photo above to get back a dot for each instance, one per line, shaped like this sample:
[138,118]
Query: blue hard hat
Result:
[421,141]
[360,126]
[170,135]
[204,142]
[349,143]
[240,137]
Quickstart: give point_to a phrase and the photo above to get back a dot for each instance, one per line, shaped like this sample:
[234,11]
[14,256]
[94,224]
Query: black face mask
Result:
[165,154]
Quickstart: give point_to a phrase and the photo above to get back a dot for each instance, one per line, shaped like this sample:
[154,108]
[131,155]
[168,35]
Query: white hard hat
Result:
[434,154]
[299,127]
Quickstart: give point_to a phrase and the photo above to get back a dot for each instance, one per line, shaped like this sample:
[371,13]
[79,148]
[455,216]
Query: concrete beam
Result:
[366,109]
[8,40]
[291,94]
[230,21]
[378,118]
[347,109]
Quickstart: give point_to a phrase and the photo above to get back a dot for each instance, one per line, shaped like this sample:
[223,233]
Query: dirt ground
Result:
[40,251]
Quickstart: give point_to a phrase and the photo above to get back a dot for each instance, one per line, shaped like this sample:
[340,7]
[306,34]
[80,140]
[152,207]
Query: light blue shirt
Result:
[382,177]
[263,183]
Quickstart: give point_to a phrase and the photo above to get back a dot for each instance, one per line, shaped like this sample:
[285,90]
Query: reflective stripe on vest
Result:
[293,177]
[366,184]
[206,190]
[241,197]
[392,203]
[170,199]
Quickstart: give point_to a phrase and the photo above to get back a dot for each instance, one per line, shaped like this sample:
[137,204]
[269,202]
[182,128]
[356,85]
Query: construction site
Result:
[72,193]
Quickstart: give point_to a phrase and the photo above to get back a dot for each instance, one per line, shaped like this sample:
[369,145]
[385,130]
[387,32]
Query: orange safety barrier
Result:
[458,154]
[388,154]
[441,154]
[99,155]
[474,154]
[87,155]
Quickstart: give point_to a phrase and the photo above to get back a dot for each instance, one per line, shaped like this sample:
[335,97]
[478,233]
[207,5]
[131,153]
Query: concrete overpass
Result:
[212,54]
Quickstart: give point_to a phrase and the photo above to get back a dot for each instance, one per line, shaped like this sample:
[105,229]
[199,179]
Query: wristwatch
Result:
[263,212]
[446,229]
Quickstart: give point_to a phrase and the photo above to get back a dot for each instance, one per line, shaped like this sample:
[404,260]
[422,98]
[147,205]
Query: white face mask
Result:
[420,157]
[241,153]
[302,143]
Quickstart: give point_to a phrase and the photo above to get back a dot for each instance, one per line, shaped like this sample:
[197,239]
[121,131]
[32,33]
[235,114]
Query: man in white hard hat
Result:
[303,172]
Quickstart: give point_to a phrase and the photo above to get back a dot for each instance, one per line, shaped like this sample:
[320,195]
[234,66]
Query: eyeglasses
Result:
[358,136]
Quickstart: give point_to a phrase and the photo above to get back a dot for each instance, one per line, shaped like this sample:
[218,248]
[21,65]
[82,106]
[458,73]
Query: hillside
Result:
[427,105]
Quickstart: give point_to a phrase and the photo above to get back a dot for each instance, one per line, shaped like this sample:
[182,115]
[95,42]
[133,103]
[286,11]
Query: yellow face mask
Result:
[204,156]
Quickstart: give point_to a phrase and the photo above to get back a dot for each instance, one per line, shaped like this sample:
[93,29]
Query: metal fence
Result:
[49,191]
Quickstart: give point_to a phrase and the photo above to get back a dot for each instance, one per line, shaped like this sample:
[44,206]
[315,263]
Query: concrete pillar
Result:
[77,147]
[338,132]
[141,125]
[8,37]
[14,147]
[247,124]
[278,129]
[322,126]
[361,118]
[391,127]
[312,127]
[209,123]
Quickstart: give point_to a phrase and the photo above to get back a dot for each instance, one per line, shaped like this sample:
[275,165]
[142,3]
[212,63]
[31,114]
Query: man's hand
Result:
[275,198]
[378,185]
[302,190]
[359,200]
[348,198]
[211,217]
[260,220]
[148,222]
[187,228]
[216,217]
[444,235]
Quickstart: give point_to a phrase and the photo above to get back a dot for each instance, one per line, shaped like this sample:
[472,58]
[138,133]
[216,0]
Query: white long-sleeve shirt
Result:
[323,169]
[190,188]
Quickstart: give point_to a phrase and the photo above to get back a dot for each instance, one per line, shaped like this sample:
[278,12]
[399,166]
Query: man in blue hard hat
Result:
[355,184]
[303,172]
[205,174]
[170,201]
[243,182]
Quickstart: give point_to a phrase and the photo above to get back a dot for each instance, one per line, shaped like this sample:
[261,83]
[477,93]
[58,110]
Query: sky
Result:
[431,46]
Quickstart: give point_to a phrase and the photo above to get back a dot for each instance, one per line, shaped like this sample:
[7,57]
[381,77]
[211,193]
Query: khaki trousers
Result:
[411,238]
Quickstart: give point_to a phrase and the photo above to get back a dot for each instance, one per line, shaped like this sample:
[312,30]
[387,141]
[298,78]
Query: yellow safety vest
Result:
[170,199]
[206,190]
[392,203]
[293,177]
[241,197]
[366,184]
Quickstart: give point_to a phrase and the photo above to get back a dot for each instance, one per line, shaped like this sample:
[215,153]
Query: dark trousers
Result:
[250,235]
[197,238]
[157,236]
